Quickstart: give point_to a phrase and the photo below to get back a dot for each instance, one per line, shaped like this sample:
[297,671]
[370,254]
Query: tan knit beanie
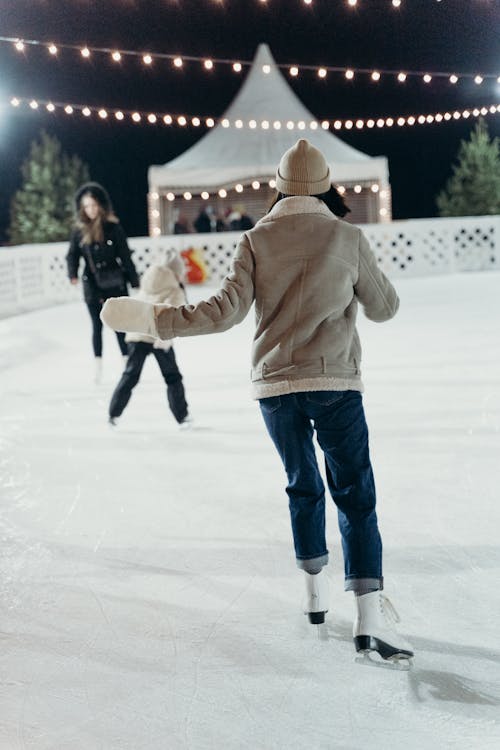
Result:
[303,171]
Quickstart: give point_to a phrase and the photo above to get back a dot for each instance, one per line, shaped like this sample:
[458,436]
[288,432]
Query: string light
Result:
[237,66]
[209,122]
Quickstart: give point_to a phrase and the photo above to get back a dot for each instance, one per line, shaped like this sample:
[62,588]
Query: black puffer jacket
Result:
[112,253]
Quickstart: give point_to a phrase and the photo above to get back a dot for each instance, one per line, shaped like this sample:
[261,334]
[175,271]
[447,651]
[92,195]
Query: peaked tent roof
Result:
[228,155]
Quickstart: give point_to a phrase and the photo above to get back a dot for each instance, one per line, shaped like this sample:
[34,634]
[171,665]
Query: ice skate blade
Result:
[374,660]
[316,618]
[367,643]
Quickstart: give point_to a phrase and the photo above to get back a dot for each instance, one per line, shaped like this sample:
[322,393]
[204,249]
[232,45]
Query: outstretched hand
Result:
[129,315]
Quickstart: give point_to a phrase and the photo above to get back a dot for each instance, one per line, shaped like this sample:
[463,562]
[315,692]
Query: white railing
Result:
[33,276]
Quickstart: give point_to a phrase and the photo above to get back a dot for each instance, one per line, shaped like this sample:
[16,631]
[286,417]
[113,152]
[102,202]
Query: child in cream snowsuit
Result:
[161,283]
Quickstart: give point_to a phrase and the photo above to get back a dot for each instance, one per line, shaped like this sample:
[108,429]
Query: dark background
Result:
[453,35]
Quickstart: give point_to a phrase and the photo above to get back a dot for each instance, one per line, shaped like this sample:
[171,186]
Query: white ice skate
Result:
[98,371]
[374,630]
[317,597]
[186,424]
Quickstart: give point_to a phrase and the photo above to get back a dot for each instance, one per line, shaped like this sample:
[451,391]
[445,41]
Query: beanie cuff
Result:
[298,187]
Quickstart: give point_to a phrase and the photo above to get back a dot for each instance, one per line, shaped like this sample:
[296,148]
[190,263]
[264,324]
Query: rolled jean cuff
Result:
[363,585]
[313,564]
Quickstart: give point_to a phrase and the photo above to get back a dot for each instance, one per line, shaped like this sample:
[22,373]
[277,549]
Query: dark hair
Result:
[331,198]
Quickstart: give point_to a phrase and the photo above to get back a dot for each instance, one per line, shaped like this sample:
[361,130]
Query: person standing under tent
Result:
[162,282]
[99,239]
[307,271]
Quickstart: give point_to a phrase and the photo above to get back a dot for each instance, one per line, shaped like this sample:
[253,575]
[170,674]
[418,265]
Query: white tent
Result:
[235,152]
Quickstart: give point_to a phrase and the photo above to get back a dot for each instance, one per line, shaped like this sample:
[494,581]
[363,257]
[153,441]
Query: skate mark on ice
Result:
[213,628]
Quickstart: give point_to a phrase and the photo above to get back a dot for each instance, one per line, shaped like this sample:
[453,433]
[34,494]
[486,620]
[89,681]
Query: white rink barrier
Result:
[34,276]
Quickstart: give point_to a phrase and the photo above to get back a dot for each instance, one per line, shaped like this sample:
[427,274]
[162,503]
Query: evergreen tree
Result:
[474,187]
[42,210]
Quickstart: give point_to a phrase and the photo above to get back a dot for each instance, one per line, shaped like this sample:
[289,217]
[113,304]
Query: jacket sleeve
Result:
[73,255]
[373,289]
[225,309]
[123,252]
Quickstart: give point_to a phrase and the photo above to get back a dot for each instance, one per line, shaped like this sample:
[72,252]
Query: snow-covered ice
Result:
[149,594]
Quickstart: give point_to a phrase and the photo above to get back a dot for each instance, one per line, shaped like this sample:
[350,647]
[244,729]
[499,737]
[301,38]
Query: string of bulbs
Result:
[209,64]
[152,118]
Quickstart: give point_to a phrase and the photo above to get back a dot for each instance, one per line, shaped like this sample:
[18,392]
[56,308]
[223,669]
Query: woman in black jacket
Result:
[99,239]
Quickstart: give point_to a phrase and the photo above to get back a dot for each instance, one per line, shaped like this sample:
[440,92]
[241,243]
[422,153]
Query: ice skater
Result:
[161,283]
[99,239]
[306,270]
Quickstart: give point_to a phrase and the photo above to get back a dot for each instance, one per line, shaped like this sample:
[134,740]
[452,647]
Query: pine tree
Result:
[474,187]
[42,210]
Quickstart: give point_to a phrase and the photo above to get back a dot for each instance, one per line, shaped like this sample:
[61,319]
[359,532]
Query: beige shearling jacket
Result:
[306,271]
[158,284]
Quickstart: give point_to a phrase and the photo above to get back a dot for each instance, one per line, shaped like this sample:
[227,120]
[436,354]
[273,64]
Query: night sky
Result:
[426,35]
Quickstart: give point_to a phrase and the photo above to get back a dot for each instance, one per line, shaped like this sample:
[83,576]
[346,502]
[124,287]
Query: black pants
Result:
[171,375]
[94,309]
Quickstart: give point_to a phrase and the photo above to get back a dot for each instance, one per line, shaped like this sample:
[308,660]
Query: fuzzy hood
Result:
[158,282]
[159,285]
[97,192]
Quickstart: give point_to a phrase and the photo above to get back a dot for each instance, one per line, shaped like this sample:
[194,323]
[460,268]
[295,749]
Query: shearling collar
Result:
[297,204]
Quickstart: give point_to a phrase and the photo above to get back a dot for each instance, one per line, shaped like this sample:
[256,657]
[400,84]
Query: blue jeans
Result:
[339,421]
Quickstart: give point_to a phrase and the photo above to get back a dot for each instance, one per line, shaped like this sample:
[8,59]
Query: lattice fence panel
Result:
[34,276]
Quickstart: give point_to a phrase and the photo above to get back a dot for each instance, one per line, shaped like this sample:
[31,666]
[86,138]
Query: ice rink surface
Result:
[149,594]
